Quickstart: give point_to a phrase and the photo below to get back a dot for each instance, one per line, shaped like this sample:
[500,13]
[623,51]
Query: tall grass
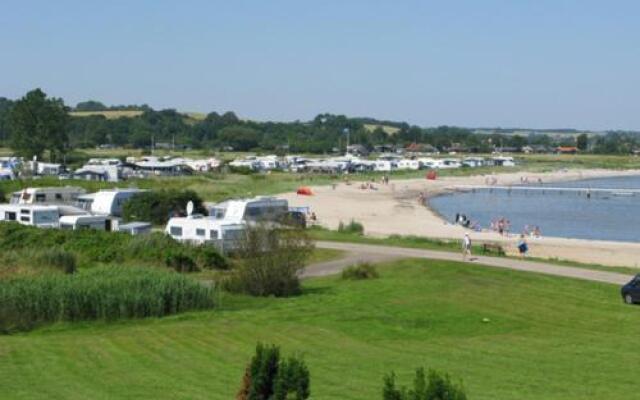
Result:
[101,293]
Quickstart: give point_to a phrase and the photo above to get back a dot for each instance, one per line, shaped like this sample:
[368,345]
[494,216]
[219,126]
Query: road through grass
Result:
[547,338]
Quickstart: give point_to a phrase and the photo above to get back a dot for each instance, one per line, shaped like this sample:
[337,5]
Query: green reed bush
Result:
[101,293]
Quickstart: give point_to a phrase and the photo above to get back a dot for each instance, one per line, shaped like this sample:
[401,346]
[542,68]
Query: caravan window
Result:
[41,197]
[58,196]
[213,234]
[10,216]
[66,226]
[175,231]
[25,219]
[200,232]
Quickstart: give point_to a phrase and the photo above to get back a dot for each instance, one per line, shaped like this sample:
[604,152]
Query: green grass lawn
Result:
[548,338]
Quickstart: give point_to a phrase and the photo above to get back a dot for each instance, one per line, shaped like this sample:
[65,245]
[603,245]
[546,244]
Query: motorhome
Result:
[473,162]
[47,195]
[428,163]
[29,214]
[257,209]
[198,229]
[134,228]
[76,222]
[107,202]
[408,164]
[504,161]
[450,163]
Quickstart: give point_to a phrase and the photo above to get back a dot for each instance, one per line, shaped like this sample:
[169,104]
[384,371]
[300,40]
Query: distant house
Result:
[90,175]
[536,148]
[566,150]
[421,148]
[357,150]
[385,148]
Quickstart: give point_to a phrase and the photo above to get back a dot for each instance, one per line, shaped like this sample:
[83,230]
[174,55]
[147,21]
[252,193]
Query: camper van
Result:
[107,202]
[76,222]
[198,229]
[408,164]
[47,195]
[33,215]
[504,161]
[257,209]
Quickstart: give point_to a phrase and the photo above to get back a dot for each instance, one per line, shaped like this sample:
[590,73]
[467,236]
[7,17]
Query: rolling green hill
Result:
[546,338]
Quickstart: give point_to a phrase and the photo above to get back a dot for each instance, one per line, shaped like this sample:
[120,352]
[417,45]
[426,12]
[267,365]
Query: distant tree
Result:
[159,205]
[241,138]
[5,109]
[90,105]
[39,124]
[582,141]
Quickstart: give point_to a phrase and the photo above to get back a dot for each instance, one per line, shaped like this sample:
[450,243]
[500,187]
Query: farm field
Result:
[546,338]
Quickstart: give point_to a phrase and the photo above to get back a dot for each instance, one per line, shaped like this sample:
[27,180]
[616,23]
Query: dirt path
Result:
[374,253]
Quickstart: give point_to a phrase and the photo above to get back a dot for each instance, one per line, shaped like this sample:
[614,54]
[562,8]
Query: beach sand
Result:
[396,209]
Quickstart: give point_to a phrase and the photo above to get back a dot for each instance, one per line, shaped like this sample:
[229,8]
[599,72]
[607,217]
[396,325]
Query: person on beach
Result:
[466,247]
[523,247]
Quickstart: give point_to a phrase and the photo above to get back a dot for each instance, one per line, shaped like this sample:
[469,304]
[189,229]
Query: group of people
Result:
[501,225]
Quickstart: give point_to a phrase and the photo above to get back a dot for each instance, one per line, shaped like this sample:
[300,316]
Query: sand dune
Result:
[395,209]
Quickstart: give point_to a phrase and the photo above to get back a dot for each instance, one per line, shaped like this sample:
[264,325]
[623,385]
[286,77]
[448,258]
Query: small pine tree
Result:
[269,378]
[434,387]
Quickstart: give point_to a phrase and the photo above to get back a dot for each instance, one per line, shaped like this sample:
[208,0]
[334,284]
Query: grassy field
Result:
[547,338]
[112,114]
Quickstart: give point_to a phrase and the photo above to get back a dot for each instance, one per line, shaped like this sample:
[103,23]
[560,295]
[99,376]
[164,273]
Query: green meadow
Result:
[505,334]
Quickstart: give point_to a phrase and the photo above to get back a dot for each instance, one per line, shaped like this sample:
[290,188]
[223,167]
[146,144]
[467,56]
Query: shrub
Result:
[159,205]
[90,247]
[210,258]
[270,262]
[353,227]
[180,262]
[360,271]
[267,377]
[105,293]
[435,386]
[57,258]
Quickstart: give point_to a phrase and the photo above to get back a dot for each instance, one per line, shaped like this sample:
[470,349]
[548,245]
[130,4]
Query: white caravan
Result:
[134,228]
[257,209]
[504,161]
[408,164]
[76,222]
[107,202]
[47,195]
[198,229]
[29,214]
[473,162]
[450,163]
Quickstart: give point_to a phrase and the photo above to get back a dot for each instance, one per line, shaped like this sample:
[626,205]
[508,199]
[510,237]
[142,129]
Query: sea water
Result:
[604,216]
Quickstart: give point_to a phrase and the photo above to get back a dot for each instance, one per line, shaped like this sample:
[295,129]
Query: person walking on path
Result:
[523,247]
[466,247]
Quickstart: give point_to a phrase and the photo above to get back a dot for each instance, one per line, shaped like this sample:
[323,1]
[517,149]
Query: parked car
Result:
[631,291]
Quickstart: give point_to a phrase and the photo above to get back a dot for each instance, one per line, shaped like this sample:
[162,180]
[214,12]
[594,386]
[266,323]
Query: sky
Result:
[490,63]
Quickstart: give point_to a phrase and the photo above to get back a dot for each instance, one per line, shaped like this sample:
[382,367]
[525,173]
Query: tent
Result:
[431,175]
[304,191]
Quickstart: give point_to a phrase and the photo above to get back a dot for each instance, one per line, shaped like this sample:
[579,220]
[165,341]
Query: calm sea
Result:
[604,216]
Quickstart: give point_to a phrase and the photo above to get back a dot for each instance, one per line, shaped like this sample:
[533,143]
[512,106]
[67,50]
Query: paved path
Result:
[375,253]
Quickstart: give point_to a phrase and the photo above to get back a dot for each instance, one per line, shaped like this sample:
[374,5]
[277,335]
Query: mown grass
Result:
[103,293]
[546,338]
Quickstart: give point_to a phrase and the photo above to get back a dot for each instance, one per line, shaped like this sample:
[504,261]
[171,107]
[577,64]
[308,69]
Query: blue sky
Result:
[542,64]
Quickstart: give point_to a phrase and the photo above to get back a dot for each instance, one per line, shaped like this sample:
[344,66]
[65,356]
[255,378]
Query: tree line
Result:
[36,124]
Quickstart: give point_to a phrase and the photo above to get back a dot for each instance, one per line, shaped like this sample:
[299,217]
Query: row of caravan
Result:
[73,209]
[66,217]
[104,202]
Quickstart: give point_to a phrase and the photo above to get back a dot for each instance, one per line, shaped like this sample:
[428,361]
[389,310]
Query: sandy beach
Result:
[396,209]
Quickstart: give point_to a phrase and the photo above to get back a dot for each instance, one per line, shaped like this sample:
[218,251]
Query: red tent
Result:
[304,191]
[431,175]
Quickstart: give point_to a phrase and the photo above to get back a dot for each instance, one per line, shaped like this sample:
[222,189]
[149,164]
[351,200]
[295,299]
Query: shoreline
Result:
[396,209]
